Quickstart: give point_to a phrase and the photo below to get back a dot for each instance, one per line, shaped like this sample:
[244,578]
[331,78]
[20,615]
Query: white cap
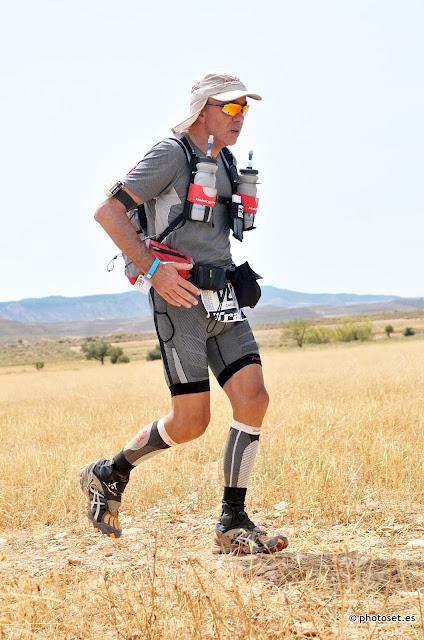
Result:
[219,86]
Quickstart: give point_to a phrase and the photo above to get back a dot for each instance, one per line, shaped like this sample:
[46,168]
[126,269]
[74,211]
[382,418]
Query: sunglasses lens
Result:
[231,108]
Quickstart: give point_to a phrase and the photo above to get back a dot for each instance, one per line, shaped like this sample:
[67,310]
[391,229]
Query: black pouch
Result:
[208,276]
[247,290]
[236,219]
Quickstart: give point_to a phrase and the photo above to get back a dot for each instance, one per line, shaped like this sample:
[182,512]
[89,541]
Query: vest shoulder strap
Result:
[141,210]
[192,159]
[230,165]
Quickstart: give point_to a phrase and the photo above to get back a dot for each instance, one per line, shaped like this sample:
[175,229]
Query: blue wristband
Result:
[153,267]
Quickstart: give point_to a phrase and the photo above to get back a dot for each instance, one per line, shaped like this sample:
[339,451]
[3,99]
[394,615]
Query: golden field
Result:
[340,470]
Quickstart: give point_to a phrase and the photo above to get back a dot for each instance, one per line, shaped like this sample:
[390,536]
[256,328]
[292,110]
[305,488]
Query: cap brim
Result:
[234,95]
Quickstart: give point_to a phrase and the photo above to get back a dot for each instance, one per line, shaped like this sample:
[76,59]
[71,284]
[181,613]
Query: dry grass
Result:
[340,469]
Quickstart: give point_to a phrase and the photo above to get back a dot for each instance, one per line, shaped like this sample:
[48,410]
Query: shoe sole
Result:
[224,545]
[105,528]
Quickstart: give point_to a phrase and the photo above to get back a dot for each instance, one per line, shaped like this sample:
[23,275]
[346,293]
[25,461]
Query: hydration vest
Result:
[140,223]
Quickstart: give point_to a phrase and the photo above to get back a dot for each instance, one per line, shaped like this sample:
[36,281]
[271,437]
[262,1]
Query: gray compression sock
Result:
[240,453]
[149,441]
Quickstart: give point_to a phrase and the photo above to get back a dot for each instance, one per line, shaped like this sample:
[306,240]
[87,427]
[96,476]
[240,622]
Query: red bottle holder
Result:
[249,203]
[197,195]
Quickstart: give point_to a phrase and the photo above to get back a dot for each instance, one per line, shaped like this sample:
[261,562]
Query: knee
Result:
[262,400]
[191,425]
[254,402]
[197,426]
[259,399]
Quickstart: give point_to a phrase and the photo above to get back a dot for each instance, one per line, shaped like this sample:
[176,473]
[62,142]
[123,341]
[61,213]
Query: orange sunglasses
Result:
[231,108]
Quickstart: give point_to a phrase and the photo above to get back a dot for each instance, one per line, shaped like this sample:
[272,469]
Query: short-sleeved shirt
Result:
[161,180]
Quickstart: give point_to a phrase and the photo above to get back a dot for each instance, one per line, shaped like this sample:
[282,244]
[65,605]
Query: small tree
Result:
[96,349]
[409,331]
[39,365]
[389,330]
[297,329]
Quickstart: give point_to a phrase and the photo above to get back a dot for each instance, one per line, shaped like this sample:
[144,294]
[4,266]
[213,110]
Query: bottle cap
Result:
[252,172]
[207,159]
[249,170]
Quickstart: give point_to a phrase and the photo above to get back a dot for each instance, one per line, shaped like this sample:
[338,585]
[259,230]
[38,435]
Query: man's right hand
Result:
[172,287]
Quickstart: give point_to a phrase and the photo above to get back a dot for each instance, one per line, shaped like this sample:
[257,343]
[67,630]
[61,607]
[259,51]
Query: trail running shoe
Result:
[103,496]
[235,533]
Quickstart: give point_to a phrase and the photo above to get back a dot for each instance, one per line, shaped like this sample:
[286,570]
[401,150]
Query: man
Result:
[189,340]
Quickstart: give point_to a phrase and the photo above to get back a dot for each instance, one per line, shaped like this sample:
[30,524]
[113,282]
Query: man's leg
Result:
[104,481]
[249,400]
[182,338]
[236,362]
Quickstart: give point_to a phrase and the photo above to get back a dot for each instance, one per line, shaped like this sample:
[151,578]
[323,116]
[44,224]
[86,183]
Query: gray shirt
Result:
[161,180]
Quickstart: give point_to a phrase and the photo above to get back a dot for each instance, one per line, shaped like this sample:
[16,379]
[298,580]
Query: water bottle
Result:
[247,189]
[204,199]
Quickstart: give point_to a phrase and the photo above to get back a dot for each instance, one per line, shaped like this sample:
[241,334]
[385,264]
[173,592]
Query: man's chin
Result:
[232,138]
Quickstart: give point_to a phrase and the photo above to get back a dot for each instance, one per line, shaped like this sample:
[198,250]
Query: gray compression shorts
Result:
[190,341]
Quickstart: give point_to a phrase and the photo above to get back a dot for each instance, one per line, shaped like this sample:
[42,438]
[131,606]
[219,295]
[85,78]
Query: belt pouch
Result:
[208,276]
[167,254]
[247,290]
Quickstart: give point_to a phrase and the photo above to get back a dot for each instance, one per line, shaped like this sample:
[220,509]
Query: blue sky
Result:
[87,88]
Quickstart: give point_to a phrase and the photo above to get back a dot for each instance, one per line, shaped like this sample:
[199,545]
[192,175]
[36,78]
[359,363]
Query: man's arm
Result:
[112,216]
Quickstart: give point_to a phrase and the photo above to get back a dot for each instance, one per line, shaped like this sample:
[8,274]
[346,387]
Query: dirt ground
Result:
[54,576]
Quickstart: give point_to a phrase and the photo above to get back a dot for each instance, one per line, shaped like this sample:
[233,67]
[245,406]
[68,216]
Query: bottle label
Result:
[204,196]
[250,203]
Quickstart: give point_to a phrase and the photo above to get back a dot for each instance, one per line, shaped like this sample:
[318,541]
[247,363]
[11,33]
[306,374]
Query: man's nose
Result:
[239,117]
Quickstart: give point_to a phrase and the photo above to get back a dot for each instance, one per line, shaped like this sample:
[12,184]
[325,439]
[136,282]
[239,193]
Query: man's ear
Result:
[202,115]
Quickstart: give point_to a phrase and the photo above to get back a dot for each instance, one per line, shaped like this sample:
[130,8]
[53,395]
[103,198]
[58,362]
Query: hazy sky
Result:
[87,88]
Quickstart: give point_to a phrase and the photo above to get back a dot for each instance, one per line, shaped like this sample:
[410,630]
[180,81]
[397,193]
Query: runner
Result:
[191,338]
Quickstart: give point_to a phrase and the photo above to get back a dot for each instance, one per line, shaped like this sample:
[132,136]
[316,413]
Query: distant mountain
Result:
[62,309]
[286,298]
[133,304]
[100,315]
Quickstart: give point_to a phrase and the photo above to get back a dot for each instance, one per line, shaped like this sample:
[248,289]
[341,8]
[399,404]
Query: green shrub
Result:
[154,354]
[350,331]
[115,353]
[39,365]
[320,335]
[409,331]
